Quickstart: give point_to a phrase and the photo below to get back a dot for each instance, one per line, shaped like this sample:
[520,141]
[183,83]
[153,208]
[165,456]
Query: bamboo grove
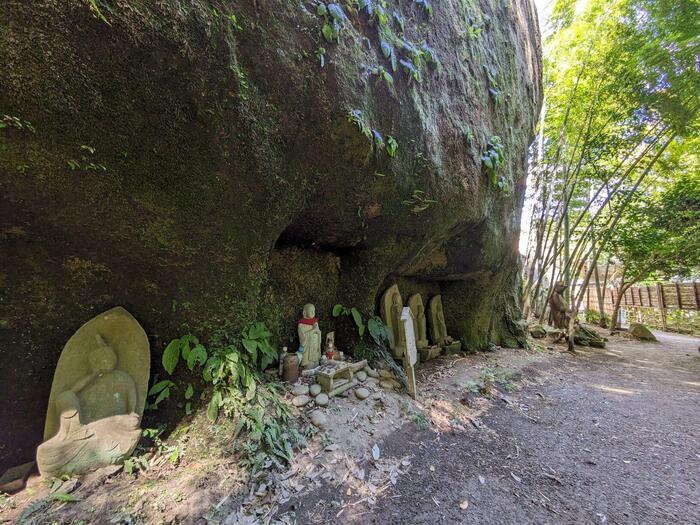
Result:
[615,170]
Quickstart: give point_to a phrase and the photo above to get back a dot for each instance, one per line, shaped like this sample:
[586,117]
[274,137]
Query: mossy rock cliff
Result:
[192,162]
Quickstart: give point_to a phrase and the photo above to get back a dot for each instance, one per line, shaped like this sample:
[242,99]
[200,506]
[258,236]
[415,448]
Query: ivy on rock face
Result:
[427,6]
[390,145]
[389,53]
[334,19]
[493,159]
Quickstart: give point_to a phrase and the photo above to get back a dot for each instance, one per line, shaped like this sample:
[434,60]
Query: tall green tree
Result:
[622,87]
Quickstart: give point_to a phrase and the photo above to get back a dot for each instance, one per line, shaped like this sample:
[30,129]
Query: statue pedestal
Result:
[453,348]
[334,371]
[430,352]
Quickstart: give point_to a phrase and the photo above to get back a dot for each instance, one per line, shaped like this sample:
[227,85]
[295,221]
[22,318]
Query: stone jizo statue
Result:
[97,397]
[390,311]
[415,303]
[438,327]
[309,337]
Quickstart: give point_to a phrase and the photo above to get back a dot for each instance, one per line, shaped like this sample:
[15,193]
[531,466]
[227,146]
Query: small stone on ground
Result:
[318,419]
[300,401]
[300,390]
[322,400]
[315,390]
[362,393]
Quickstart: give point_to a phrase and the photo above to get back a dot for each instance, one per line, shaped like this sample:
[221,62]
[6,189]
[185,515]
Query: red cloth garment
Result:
[309,322]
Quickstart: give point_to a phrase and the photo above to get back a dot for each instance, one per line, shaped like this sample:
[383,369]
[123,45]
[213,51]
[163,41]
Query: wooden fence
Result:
[664,299]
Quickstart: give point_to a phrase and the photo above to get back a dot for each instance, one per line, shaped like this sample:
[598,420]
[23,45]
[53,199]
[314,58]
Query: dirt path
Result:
[606,436]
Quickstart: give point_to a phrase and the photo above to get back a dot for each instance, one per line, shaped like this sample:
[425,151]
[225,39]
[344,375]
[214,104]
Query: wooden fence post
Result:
[588,297]
[697,295]
[662,305]
[678,296]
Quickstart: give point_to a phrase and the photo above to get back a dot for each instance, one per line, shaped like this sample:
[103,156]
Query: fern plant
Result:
[493,159]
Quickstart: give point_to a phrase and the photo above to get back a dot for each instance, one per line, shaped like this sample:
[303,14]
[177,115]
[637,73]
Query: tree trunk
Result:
[603,322]
[616,310]
[601,299]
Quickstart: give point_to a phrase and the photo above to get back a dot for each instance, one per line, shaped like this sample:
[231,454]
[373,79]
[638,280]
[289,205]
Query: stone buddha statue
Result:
[96,405]
[309,337]
[415,303]
[390,311]
[438,327]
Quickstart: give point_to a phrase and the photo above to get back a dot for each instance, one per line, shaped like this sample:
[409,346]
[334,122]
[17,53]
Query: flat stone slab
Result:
[15,479]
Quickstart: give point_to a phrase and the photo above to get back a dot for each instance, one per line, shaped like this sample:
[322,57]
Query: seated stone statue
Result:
[390,311]
[309,337]
[95,406]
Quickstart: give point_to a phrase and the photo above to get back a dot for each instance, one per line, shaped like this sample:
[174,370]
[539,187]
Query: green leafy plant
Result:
[233,19]
[398,21]
[65,498]
[189,348]
[488,377]
[493,159]
[16,122]
[356,117]
[417,57]
[389,53]
[426,5]
[429,56]
[233,367]
[374,325]
[383,74]
[6,502]
[411,69]
[321,56]
[86,161]
[377,10]
[334,18]
[475,30]
[139,461]
[391,146]
[96,12]
[421,420]
[378,331]
[340,310]
[161,390]
[418,202]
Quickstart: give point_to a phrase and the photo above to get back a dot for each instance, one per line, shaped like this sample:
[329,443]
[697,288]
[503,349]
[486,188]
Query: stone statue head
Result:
[309,311]
[102,358]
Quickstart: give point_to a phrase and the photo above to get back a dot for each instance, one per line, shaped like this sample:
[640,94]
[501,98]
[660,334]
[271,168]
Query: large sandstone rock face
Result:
[201,171]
